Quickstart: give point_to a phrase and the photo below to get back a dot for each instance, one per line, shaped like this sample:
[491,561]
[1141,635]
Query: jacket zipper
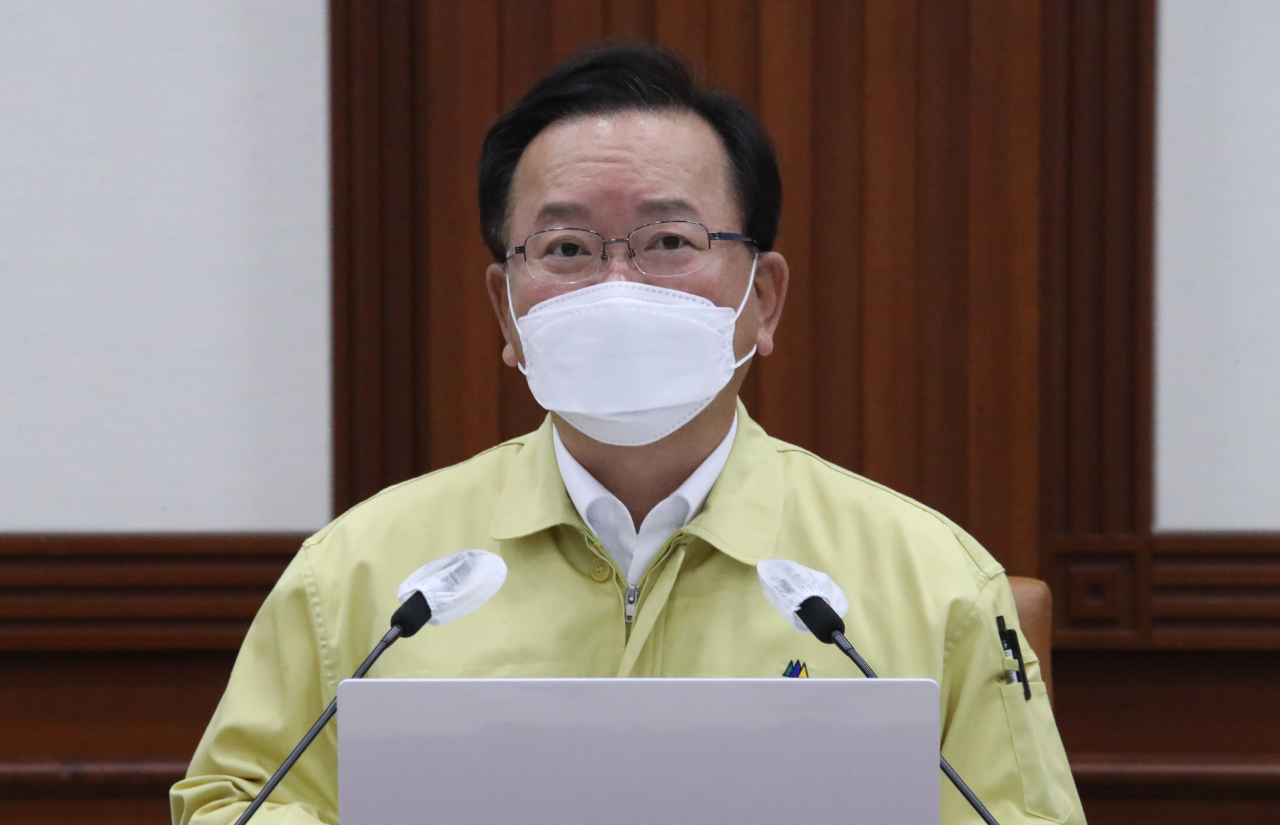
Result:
[631,596]
[630,599]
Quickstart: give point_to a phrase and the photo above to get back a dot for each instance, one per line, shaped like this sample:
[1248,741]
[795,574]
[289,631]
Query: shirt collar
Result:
[584,490]
[740,516]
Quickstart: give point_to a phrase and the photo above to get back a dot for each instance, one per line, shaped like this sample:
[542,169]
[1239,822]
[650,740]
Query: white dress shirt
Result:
[608,518]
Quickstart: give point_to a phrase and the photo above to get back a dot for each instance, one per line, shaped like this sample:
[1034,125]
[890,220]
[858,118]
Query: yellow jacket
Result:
[924,599]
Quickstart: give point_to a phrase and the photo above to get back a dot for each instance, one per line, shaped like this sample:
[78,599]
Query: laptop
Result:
[632,751]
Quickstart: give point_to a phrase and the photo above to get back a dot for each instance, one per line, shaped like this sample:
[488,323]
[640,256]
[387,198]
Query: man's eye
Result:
[667,243]
[566,249]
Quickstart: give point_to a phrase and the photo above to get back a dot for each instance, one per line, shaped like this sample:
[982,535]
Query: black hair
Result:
[620,78]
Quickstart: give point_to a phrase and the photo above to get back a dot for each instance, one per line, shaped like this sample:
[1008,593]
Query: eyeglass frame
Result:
[631,252]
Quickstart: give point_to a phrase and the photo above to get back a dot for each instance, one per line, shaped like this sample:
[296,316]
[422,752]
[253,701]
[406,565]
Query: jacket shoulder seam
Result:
[320,535]
[316,603]
[982,577]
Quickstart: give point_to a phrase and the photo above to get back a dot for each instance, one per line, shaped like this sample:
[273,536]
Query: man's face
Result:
[612,174]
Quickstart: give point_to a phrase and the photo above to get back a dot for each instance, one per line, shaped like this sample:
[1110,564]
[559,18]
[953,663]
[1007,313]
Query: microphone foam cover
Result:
[457,584]
[787,584]
[820,618]
[412,615]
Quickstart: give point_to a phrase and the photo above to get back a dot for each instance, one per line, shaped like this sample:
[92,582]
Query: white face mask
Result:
[628,363]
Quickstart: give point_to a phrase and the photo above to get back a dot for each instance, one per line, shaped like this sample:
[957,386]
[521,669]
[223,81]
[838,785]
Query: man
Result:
[631,217]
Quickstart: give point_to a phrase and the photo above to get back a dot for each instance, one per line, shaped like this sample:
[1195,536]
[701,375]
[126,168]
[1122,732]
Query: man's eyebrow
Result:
[666,207]
[655,209]
[556,211]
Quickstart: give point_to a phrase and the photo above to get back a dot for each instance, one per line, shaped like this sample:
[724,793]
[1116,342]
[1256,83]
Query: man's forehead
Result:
[666,164]
[605,126]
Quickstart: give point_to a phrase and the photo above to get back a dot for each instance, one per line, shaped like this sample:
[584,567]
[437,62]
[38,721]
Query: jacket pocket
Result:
[1036,745]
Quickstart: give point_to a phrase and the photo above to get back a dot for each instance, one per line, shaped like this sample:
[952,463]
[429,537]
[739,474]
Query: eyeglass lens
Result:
[662,250]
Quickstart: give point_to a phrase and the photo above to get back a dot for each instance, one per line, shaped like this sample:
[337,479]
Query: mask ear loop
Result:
[514,325]
[751,282]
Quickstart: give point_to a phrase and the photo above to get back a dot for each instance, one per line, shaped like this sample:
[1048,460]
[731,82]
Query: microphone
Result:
[439,592]
[812,601]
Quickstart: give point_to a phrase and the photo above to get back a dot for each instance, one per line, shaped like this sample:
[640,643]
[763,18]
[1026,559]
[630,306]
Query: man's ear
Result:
[772,276]
[495,278]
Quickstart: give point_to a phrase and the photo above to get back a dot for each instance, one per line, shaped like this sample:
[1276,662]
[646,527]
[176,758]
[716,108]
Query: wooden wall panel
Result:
[839,154]
[462,48]
[114,650]
[380,407]
[127,592]
[1095,241]
[100,737]
[1167,591]
[942,316]
[1096,287]
[1161,737]
[1118,585]
[1003,468]
[784,404]
[133,717]
[1145,625]
[889,265]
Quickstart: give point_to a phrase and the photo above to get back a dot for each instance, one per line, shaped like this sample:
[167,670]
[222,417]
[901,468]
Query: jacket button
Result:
[600,571]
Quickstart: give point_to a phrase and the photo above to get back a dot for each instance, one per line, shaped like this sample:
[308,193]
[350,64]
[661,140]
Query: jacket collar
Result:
[741,516]
[533,496]
[743,512]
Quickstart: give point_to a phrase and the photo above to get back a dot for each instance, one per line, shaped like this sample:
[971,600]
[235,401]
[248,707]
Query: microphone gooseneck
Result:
[847,648]
[970,796]
[459,583]
[801,592]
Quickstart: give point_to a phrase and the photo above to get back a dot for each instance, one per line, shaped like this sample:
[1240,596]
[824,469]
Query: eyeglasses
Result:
[665,249]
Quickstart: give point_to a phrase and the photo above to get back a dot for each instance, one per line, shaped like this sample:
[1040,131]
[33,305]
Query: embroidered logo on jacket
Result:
[796,670]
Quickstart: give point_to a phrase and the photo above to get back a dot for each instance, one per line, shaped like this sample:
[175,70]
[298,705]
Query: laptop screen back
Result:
[579,751]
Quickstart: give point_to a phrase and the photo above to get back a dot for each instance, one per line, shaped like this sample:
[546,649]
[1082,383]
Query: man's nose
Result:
[618,265]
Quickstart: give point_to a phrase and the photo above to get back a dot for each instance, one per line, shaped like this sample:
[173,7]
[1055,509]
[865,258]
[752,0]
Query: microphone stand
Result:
[821,621]
[408,619]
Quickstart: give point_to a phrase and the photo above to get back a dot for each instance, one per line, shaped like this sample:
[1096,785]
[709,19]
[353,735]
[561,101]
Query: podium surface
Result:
[632,751]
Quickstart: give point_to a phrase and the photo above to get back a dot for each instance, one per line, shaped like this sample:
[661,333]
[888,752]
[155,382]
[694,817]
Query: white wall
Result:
[164,265]
[1218,266]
